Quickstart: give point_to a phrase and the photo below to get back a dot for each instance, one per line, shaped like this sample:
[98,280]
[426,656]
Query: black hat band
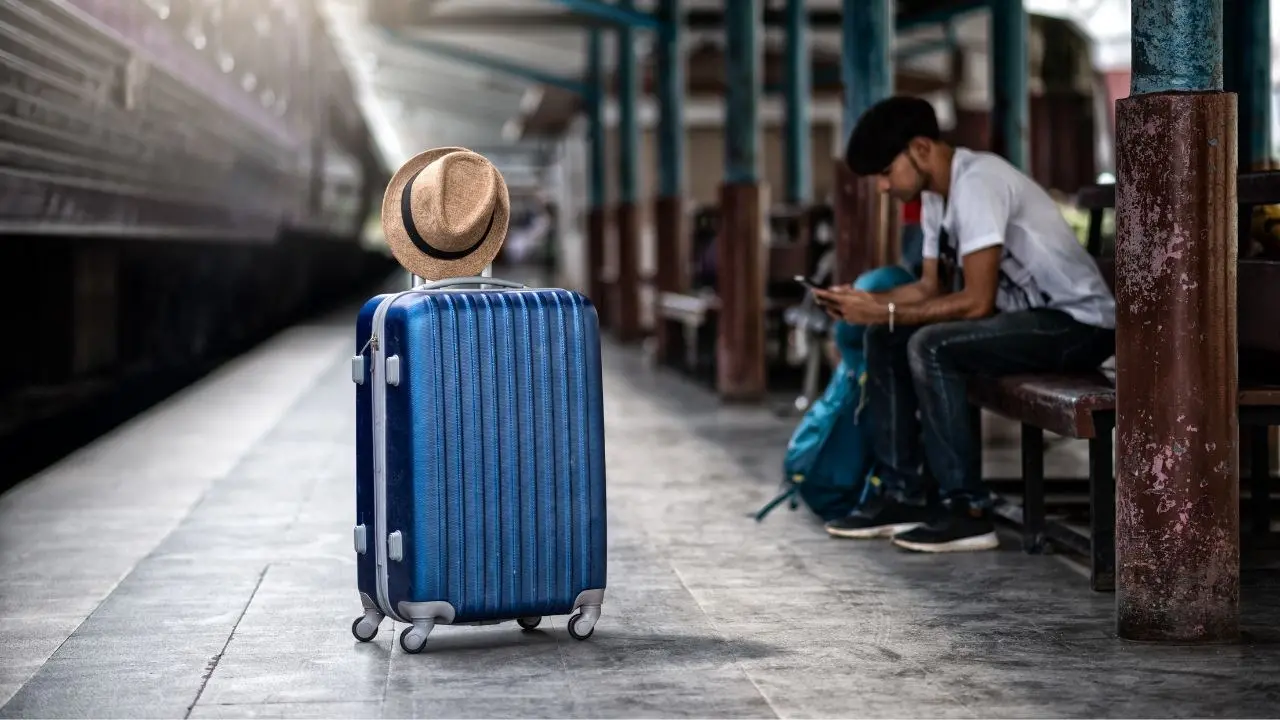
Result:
[406,217]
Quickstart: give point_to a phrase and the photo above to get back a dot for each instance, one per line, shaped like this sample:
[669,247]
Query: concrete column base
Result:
[740,359]
[626,298]
[1177,472]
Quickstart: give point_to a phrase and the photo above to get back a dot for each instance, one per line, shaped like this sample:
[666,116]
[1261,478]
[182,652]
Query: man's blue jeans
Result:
[925,368]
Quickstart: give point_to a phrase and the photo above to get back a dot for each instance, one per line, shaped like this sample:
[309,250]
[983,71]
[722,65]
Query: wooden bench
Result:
[1083,406]
[690,336]
[688,344]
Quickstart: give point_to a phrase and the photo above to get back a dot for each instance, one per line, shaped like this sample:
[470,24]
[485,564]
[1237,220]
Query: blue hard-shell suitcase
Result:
[480,479]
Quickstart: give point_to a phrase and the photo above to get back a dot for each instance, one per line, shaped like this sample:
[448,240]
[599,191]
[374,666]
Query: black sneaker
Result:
[881,520]
[963,529]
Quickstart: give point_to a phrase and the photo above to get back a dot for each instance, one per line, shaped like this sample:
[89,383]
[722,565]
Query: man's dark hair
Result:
[884,130]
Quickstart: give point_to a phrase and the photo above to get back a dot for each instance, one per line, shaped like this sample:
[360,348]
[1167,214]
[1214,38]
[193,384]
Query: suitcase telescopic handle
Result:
[451,282]
[437,285]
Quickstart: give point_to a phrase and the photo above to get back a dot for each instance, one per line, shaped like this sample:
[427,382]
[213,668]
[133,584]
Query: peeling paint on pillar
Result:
[1177,474]
[1177,45]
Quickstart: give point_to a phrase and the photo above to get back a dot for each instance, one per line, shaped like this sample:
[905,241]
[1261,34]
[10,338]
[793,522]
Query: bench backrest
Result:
[1252,188]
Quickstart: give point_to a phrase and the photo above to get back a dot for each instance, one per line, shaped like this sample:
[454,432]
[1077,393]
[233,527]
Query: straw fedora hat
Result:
[445,213]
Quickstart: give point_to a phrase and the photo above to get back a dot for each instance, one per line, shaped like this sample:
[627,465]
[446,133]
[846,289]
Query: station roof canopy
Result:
[500,74]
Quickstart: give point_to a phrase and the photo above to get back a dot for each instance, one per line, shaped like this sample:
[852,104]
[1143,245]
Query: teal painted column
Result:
[740,253]
[627,214]
[1010,135]
[671,253]
[742,91]
[1247,72]
[670,77]
[799,96]
[628,128]
[866,71]
[597,213]
[594,99]
[867,63]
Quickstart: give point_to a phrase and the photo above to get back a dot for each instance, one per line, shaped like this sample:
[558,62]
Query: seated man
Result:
[1032,301]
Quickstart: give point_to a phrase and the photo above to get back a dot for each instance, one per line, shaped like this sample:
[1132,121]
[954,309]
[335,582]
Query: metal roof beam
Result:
[489,62]
[591,13]
[614,14]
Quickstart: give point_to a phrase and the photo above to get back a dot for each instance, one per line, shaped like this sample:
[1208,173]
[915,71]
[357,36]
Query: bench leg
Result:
[1259,482]
[1093,243]
[1033,520]
[1102,506]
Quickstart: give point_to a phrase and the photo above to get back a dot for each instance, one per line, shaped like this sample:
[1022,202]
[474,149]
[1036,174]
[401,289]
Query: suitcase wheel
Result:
[365,628]
[529,623]
[414,638]
[581,627]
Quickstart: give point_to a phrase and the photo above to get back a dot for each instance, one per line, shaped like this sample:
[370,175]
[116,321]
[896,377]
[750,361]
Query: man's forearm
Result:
[952,306]
[915,292]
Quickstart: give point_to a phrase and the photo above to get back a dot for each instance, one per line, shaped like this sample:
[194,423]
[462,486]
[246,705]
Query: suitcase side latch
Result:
[395,546]
[393,370]
[361,543]
[357,369]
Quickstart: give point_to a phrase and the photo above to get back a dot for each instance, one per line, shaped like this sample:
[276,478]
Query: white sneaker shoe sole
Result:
[884,531]
[988,541]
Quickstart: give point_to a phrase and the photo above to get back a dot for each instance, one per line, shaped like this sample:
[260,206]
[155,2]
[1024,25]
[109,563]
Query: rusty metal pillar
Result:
[597,220]
[740,351]
[866,70]
[627,295]
[668,210]
[1177,474]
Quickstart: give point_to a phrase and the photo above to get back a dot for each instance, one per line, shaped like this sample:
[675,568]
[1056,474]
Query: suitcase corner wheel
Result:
[365,627]
[582,625]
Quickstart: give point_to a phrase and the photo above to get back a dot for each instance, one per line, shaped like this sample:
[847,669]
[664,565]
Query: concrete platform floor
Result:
[197,563]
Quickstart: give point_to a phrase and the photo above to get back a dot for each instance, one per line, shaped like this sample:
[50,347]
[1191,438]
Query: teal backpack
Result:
[829,464]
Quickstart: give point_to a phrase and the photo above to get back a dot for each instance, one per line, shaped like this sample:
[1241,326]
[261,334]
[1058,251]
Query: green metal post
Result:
[1009,70]
[799,95]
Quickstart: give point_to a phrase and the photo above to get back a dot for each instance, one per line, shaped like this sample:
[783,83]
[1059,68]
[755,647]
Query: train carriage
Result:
[218,119]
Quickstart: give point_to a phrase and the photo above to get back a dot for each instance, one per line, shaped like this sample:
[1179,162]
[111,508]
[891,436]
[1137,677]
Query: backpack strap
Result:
[789,492]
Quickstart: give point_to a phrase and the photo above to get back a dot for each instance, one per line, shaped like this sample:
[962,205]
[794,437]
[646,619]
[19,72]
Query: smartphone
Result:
[807,282]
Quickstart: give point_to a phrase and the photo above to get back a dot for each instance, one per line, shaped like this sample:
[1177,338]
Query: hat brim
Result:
[418,262]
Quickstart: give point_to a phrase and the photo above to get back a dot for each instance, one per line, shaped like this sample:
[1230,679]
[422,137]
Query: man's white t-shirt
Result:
[1043,264]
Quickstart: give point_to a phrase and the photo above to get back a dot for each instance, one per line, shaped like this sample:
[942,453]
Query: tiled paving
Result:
[197,563]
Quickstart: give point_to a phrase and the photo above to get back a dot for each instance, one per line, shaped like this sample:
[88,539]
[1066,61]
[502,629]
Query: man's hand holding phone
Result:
[842,302]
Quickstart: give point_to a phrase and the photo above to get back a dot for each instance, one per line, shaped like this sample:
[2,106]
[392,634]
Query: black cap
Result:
[884,130]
